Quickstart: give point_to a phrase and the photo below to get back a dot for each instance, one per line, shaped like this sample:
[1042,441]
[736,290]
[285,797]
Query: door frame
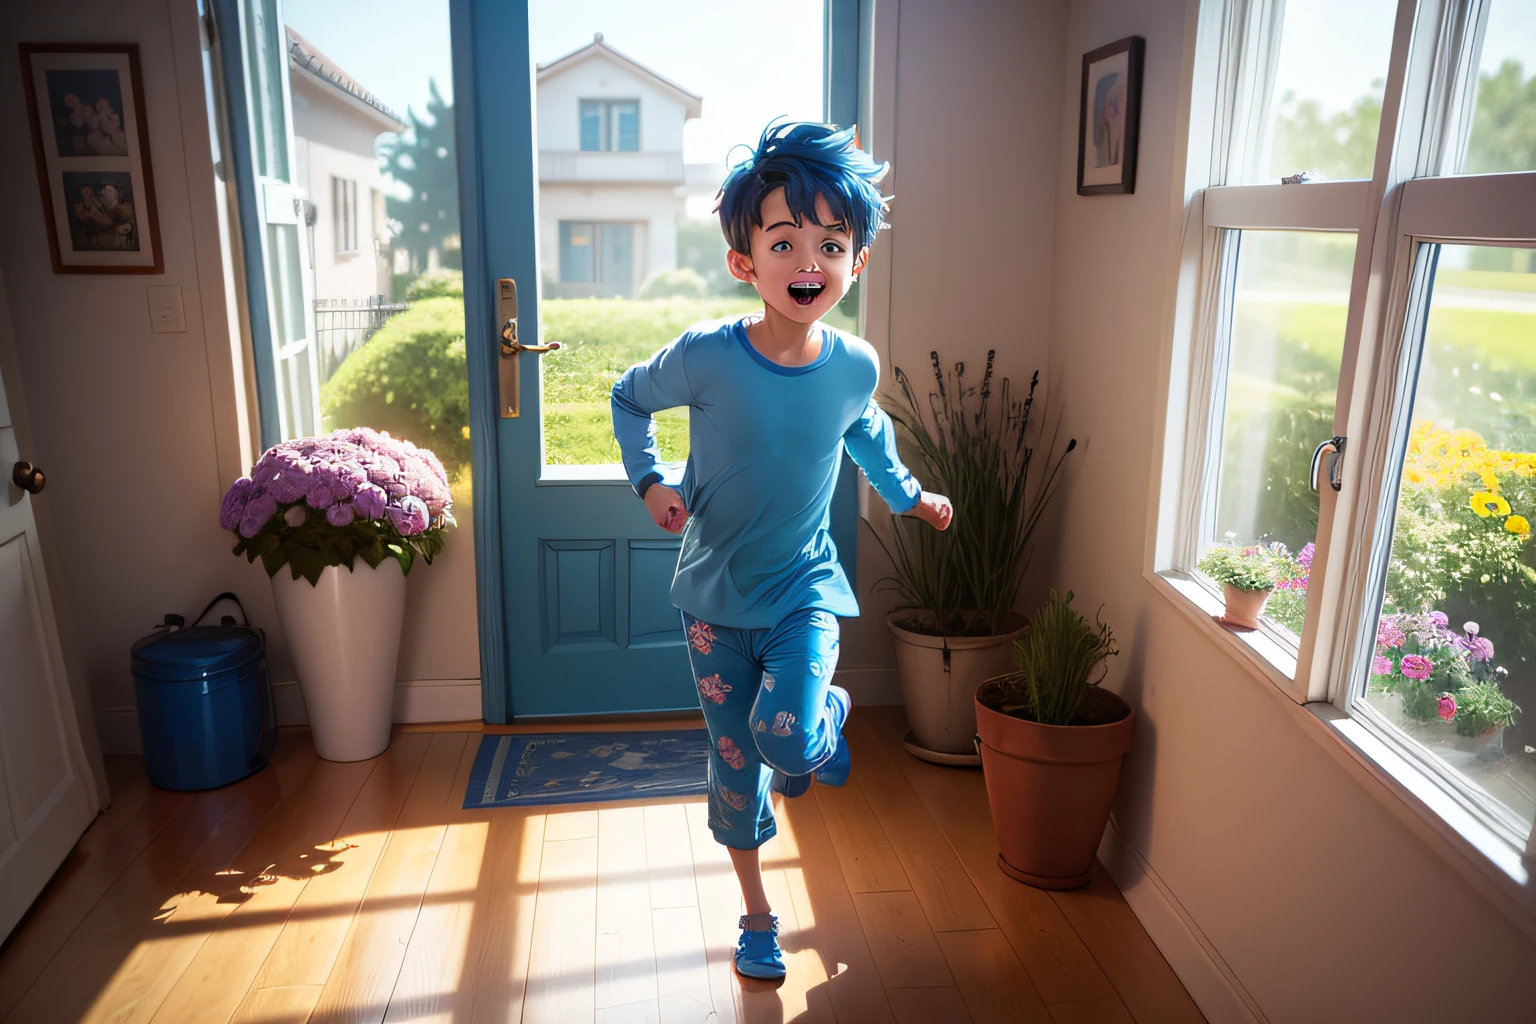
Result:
[488,138]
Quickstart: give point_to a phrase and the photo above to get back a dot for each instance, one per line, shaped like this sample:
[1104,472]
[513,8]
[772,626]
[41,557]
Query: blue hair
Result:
[806,160]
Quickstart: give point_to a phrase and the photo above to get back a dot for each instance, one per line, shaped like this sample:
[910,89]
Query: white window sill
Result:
[1478,854]
[566,476]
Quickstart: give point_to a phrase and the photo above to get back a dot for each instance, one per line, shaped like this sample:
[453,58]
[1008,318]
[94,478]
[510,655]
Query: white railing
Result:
[575,166]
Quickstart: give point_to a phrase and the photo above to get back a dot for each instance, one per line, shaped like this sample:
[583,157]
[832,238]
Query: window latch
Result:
[1333,446]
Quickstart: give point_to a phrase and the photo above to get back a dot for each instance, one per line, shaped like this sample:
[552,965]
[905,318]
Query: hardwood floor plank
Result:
[368,966]
[109,966]
[1059,963]
[930,1005]
[269,875]
[719,899]
[669,858]
[682,968]
[1109,1010]
[905,949]
[803,994]
[562,965]
[869,863]
[562,824]
[823,901]
[936,875]
[626,939]
[306,949]
[1135,966]
[139,815]
[631,1013]
[990,978]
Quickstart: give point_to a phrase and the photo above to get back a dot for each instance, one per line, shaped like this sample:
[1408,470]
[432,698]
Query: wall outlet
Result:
[166,315]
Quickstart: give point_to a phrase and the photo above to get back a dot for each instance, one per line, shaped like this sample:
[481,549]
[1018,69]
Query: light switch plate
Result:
[166,315]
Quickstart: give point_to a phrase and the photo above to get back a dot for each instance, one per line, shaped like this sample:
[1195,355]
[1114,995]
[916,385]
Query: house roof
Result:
[305,56]
[691,101]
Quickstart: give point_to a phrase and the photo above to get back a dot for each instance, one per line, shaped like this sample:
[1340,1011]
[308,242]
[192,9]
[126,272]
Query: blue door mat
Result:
[585,767]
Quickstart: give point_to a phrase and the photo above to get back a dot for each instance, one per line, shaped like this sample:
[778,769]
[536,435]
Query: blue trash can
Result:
[205,703]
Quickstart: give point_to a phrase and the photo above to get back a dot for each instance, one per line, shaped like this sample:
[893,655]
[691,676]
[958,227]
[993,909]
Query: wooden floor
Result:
[362,892]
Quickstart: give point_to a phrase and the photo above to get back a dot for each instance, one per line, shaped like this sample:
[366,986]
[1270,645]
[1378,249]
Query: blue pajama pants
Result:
[767,701]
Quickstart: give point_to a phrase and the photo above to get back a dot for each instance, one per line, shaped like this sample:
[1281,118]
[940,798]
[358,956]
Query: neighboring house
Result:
[335,124]
[611,178]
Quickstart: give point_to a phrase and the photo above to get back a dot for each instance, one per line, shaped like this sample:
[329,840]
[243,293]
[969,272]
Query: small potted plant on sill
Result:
[1248,576]
[1051,742]
[956,626]
[357,500]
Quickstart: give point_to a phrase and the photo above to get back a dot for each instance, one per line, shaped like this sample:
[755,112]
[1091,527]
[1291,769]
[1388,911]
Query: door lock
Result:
[510,346]
[509,380]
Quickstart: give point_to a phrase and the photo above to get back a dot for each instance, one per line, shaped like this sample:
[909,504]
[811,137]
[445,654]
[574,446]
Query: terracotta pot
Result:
[1245,606]
[1051,788]
[939,677]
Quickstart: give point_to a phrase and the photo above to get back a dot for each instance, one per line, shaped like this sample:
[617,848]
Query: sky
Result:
[392,47]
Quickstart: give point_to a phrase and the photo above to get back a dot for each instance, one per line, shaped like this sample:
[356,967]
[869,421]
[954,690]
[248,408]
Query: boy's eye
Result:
[831,248]
[779,247]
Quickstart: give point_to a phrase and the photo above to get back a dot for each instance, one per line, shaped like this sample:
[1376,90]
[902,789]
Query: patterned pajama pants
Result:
[766,696]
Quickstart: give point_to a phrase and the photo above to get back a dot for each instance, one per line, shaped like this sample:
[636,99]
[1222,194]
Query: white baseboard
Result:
[1207,977]
[870,686]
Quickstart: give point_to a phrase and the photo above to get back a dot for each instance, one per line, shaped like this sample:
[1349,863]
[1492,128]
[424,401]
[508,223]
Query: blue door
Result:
[575,614]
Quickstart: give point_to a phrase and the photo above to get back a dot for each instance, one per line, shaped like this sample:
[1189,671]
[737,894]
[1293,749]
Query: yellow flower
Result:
[1486,503]
[1518,525]
[1414,476]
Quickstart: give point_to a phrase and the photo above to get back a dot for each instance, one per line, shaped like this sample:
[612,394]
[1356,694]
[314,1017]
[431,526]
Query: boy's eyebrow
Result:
[836,225]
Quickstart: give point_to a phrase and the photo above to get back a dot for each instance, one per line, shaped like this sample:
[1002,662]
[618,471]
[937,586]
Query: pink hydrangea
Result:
[1416,666]
[1440,619]
[1381,666]
[1480,648]
[1446,707]
[1389,633]
[1304,556]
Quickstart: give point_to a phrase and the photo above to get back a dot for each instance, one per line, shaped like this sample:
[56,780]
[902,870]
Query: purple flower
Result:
[1416,666]
[320,495]
[339,514]
[1440,618]
[233,507]
[1381,666]
[1480,648]
[370,501]
[260,508]
[1390,633]
[1304,556]
[409,516]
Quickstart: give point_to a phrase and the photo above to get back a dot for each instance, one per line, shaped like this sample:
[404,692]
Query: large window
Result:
[610,125]
[1361,392]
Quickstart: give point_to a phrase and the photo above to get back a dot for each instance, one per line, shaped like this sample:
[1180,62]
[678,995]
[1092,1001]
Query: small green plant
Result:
[444,282]
[682,283]
[1055,658]
[1481,707]
[1256,567]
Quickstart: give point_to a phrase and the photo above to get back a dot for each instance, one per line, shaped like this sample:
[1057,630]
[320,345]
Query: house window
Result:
[610,125]
[597,254]
[1383,301]
[344,214]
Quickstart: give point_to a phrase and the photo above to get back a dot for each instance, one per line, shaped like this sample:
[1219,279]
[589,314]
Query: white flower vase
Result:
[344,635]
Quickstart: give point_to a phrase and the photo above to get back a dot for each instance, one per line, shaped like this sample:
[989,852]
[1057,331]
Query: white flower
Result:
[296,515]
[1470,628]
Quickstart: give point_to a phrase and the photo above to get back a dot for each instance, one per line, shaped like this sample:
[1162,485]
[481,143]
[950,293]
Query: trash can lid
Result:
[195,652]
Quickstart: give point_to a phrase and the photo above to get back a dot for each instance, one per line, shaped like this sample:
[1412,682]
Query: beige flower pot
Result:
[939,677]
[1244,607]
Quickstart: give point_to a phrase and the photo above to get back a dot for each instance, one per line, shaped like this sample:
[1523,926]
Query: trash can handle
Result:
[223,597]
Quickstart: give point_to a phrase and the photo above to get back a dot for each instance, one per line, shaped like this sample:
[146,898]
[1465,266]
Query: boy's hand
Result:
[666,507]
[933,509]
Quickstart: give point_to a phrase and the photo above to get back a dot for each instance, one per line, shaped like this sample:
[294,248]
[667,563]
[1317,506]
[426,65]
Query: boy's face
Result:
[802,272]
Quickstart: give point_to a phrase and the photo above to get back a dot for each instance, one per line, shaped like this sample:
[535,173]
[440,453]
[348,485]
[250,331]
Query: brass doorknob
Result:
[510,346]
[28,477]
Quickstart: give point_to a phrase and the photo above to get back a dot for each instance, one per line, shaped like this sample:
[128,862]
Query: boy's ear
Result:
[861,261]
[740,266]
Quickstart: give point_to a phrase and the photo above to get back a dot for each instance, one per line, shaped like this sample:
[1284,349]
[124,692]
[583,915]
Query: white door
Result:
[45,803]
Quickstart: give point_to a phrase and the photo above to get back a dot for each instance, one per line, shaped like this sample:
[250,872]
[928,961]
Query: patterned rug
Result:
[582,767]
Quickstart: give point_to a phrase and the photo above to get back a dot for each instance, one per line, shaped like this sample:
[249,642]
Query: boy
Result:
[773,400]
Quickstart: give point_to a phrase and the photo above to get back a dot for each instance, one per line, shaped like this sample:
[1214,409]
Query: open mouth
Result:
[805,292]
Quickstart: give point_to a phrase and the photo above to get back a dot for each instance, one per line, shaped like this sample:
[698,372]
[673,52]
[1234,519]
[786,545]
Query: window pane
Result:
[1503,136]
[651,258]
[1292,296]
[1325,106]
[1459,613]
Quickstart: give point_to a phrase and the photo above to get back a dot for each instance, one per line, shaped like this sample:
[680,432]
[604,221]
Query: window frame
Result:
[1415,198]
[344,233]
[609,138]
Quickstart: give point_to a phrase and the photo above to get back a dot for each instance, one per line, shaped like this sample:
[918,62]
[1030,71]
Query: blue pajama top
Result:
[766,443]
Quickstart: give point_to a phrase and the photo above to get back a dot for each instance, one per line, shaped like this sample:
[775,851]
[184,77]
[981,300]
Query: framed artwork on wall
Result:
[1109,119]
[86,105]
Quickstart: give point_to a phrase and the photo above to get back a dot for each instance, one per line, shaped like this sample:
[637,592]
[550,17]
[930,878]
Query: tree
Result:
[1504,123]
[1342,145]
[423,159]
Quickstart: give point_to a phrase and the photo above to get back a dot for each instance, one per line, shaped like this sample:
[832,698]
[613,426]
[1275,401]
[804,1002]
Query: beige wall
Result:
[1324,904]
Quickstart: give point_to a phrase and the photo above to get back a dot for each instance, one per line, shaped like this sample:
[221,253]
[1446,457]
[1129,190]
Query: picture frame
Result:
[1109,118]
[85,102]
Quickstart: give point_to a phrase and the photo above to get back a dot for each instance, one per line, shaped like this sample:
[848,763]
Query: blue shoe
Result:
[757,952]
[834,771]
[791,785]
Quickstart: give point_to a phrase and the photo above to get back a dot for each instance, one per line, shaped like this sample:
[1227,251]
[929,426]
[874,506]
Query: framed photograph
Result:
[1109,118]
[86,105]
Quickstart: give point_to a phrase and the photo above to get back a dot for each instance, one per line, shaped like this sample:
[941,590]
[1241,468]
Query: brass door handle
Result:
[28,477]
[510,346]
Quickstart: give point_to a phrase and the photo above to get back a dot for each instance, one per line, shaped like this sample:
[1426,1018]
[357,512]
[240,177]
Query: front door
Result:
[610,243]
[45,794]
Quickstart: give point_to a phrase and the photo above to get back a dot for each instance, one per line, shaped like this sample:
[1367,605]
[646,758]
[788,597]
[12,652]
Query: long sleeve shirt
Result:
[766,444]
